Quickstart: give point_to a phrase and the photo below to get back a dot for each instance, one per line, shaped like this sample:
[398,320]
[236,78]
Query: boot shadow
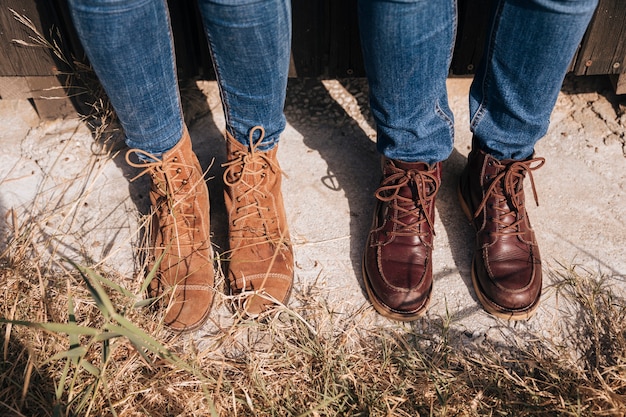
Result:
[459,232]
[210,148]
[353,164]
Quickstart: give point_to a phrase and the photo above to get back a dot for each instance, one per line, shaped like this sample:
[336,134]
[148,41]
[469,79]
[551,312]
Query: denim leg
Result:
[129,45]
[407,48]
[529,49]
[250,43]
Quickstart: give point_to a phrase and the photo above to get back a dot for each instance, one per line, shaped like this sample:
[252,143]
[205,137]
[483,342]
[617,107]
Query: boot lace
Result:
[506,186]
[174,204]
[424,187]
[247,172]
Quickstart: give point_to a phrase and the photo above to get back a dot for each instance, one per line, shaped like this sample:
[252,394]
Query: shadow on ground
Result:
[354,168]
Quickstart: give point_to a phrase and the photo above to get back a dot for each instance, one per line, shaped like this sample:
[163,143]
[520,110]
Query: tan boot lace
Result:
[506,187]
[425,185]
[175,202]
[247,172]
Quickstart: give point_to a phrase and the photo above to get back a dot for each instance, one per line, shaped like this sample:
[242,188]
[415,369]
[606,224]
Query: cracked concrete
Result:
[80,204]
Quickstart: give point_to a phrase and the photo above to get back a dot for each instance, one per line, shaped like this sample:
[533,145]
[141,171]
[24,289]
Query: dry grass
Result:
[304,361]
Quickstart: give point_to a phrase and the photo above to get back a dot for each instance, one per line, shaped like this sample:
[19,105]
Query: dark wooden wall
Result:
[603,49]
[34,72]
[325,44]
[326,39]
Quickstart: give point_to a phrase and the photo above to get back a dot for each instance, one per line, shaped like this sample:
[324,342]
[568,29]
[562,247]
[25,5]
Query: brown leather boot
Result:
[261,256]
[180,235]
[506,270]
[397,263]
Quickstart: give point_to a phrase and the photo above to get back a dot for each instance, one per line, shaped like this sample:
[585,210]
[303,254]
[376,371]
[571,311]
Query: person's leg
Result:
[529,48]
[407,48]
[250,45]
[130,47]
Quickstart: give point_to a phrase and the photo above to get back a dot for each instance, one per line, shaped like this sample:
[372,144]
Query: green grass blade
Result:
[152,274]
[67,328]
[72,320]
[74,354]
[144,303]
[97,291]
[109,283]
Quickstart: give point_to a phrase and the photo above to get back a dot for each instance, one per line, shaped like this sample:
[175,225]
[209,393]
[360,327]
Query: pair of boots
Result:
[506,267]
[260,260]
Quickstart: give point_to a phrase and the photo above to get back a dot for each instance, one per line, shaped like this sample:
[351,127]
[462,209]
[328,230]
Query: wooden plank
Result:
[192,51]
[325,39]
[344,45]
[604,46]
[619,83]
[50,98]
[309,38]
[19,60]
[70,42]
[473,19]
[14,88]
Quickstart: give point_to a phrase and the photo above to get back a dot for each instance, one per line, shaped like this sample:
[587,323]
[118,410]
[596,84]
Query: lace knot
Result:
[410,193]
[506,186]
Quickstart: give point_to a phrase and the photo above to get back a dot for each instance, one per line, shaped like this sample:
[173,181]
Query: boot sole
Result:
[386,311]
[489,306]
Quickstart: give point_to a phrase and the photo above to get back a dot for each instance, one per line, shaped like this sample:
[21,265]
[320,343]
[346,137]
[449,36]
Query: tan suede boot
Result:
[180,235]
[261,256]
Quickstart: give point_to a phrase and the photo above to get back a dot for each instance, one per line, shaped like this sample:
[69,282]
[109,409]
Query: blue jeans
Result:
[129,44]
[407,46]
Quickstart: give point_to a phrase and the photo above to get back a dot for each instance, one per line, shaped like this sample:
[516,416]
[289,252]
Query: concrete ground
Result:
[78,201]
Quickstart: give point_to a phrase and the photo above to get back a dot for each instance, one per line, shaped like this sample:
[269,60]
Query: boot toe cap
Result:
[189,308]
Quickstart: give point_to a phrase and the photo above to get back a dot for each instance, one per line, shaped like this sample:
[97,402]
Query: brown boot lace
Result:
[254,218]
[424,187]
[174,203]
[506,186]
